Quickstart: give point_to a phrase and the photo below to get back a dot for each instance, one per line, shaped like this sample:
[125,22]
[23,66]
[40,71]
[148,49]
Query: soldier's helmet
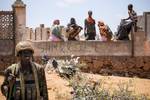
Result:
[23,45]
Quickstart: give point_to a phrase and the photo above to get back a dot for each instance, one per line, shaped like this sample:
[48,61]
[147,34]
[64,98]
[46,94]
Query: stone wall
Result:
[124,58]
[113,65]
[40,33]
[19,9]
[147,24]
[121,66]
[7,47]
[6,53]
[6,61]
[140,47]
[144,23]
[82,48]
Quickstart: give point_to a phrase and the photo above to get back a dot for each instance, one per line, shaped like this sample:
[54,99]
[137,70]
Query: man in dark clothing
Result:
[89,27]
[124,30]
[126,26]
[132,16]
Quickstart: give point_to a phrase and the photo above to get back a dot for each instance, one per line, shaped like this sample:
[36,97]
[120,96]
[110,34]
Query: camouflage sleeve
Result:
[5,84]
[43,85]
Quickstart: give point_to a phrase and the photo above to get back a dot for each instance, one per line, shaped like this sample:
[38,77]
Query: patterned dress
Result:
[73,31]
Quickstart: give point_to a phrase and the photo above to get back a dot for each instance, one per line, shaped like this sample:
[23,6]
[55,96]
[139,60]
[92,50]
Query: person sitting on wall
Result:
[126,24]
[56,31]
[105,32]
[132,16]
[73,30]
[89,27]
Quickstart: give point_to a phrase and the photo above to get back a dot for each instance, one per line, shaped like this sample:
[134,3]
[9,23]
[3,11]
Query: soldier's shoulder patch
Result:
[12,66]
[12,69]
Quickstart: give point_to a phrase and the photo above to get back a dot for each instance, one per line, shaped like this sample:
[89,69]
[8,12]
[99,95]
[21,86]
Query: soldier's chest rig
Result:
[29,84]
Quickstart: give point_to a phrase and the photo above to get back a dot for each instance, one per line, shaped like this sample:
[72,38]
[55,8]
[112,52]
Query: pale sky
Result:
[45,11]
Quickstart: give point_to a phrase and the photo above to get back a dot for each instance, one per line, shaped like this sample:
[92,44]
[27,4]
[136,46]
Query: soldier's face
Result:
[25,55]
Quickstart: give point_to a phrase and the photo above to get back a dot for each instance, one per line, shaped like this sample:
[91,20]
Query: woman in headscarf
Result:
[105,32]
[56,31]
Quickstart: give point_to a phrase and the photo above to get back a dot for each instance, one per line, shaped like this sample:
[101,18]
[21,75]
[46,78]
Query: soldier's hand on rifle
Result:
[11,78]
[5,89]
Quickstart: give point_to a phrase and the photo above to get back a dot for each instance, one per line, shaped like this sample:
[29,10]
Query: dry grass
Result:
[89,88]
[59,88]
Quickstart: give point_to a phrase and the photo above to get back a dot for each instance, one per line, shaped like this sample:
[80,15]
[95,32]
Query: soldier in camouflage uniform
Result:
[25,80]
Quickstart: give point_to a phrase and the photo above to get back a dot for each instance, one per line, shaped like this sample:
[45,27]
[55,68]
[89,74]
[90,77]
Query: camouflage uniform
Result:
[25,85]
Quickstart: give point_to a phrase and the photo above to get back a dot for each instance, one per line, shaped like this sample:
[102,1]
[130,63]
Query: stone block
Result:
[27,34]
[7,47]
[139,62]
[119,66]
[146,67]
[140,22]
[6,61]
[44,34]
[33,35]
[48,33]
[38,31]
[147,24]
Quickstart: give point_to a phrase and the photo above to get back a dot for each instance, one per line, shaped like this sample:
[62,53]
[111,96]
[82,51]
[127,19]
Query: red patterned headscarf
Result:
[90,20]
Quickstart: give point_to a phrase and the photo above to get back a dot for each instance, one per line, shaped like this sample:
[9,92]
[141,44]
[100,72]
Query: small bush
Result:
[87,89]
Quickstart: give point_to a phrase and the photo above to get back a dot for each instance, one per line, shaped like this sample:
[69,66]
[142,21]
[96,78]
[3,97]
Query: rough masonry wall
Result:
[40,33]
[6,53]
[83,48]
[6,47]
[121,66]
[6,61]
[147,24]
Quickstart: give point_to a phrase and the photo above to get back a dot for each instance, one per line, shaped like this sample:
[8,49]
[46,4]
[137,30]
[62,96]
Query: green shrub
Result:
[87,89]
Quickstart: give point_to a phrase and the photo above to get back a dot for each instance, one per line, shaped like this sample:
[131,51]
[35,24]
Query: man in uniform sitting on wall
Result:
[25,80]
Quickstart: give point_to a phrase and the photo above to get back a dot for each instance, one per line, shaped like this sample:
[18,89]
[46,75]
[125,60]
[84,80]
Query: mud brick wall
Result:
[6,53]
[122,66]
[6,61]
[119,66]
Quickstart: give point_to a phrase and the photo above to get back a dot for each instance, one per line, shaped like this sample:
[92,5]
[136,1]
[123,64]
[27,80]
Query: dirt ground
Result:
[58,88]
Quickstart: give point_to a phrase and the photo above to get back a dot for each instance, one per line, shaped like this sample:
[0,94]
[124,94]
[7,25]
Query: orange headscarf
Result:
[102,28]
